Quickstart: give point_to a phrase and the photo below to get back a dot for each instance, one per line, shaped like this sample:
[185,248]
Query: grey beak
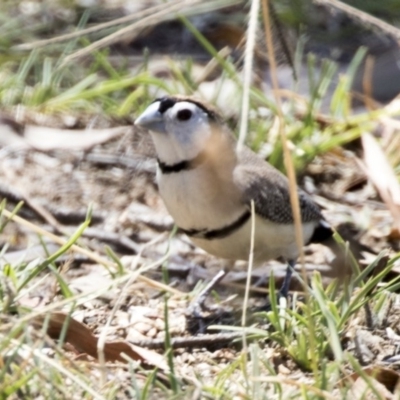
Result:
[152,119]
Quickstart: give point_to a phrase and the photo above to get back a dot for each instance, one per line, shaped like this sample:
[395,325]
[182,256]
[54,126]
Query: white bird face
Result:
[180,129]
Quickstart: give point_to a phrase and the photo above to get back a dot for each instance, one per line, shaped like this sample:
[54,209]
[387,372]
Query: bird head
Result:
[181,127]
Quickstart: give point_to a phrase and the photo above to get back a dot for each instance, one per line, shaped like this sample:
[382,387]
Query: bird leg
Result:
[284,290]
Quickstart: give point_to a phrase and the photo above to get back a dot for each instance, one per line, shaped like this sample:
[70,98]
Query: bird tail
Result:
[322,232]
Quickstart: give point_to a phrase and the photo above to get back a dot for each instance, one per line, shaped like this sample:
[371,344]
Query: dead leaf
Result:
[382,175]
[11,133]
[394,234]
[45,138]
[386,382]
[83,340]
[361,390]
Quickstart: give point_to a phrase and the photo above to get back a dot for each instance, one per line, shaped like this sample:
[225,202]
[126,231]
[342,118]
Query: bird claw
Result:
[198,320]
[196,310]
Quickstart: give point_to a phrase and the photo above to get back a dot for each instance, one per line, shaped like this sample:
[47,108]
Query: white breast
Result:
[197,200]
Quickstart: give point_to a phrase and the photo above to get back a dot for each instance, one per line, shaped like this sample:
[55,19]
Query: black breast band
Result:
[220,232]
[182,165]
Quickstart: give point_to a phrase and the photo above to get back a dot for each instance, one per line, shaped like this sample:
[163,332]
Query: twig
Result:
[113,238]
[70,217]
[361,17]
[166,14]
[123,20]
[11,194]
[62,215]
[190,342]
[40,211]
[134,161]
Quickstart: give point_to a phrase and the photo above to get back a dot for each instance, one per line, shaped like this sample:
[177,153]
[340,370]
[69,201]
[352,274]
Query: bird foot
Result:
[199,315]
[199,319]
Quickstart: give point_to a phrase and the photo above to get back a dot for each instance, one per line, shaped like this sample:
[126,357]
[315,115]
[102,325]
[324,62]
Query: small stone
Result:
[143,327]
[283,370]
[160,324]
[152,333]
[134,335]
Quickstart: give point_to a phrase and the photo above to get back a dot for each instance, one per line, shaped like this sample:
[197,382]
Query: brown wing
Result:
[268,188]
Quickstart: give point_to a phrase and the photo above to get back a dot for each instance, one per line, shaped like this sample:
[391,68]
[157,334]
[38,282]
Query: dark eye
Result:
[184,115]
